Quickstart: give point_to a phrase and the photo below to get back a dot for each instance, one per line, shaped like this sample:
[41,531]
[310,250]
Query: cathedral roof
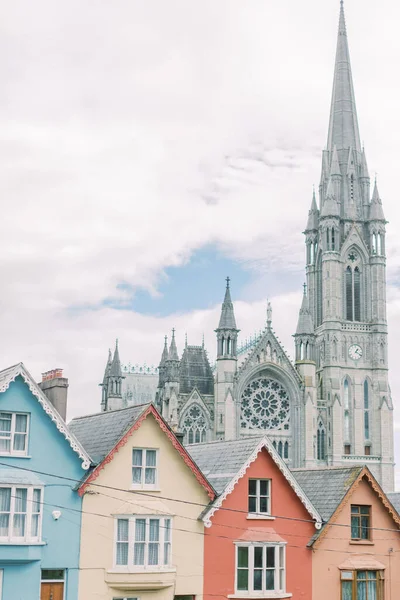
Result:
[343,125]
[227,319]
[195,371]
[305,324]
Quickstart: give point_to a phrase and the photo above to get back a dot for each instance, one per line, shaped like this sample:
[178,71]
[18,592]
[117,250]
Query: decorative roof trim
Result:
[20,370]
[365,473]
[264,443]
[171,436]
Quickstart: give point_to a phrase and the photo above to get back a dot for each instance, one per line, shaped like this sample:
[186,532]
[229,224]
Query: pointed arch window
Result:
[353,293]
[194,425]
[366,411]
[321,441]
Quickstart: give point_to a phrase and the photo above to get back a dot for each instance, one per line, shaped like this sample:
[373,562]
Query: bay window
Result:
[20,514]
[143,542]
[13,433]
[260,568]
[362,585]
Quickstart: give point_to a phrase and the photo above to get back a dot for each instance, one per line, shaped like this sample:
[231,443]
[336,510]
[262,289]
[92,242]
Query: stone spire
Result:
[164,355]
[312,221]
[331,206]
[335,167]
[173,352]
[343,125]
[305,324]
[115,368]
[227,319]
[376,209]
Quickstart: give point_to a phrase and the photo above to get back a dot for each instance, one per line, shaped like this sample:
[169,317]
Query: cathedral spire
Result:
[173,352]
[343,124]
[115,369]
[227,319]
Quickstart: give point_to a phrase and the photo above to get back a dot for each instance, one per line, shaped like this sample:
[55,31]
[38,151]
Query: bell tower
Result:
[346,283]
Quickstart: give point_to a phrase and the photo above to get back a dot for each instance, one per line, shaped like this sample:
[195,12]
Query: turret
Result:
[227,331]
[172,361]
[162,368]
[104,384]
[304,336]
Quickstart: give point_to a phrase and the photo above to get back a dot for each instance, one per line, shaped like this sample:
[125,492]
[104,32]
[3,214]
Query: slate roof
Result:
[195,371]
[220,461]
[394,498]
[326,487]
[99,433]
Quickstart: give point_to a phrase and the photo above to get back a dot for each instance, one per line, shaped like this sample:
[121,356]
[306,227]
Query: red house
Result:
[258,529]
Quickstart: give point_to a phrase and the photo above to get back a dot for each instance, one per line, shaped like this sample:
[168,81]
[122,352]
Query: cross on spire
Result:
[227,281]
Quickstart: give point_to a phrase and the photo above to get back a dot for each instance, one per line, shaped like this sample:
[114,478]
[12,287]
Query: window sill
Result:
[260,517]
[254,596]
[361,543]
[16,543]
[144,488]
[13,455]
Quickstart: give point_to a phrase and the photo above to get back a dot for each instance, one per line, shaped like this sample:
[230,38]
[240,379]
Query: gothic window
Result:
[194,425]
[378,244]
[333,238]
[327,239]
[280,449]
[353,293]
[366,411]
[374,243]
[286,450]
[265,405]
[321,441]
[301,351]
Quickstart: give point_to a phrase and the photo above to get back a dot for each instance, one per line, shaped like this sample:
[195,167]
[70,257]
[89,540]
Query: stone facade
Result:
[333,405]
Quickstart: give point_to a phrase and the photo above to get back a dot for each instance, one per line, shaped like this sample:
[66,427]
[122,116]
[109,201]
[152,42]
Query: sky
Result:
[150,149]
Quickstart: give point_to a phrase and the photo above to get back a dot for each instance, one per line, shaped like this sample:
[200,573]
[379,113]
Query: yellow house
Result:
[139,538]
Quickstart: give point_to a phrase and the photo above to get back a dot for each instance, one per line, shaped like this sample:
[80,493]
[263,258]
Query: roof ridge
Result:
[107,412]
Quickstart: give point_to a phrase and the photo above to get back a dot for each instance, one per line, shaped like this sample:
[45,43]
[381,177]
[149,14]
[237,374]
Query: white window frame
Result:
[27,538]
[1,583]
[131,542]
[258,513]
[143,485]
[124,598]
[279,570]
[12,434]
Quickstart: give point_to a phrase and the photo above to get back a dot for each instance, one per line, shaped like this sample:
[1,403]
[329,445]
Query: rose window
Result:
[194,425]
[264,405]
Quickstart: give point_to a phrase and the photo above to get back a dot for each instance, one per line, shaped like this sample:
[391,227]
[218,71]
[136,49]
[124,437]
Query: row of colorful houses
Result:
[113,507]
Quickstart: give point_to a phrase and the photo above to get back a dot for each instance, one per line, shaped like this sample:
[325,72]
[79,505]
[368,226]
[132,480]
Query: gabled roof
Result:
[99,433]
[123,426]
[331,488]
[326,487]
[224,463]
[7,376]
[394,498]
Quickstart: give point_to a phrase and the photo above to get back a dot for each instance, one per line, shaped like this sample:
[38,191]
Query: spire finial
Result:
[227,282]
[305,289]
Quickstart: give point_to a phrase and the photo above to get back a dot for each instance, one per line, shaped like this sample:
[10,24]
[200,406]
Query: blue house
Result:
[40,511]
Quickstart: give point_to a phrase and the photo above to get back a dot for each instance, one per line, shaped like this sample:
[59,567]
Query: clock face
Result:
[355,352]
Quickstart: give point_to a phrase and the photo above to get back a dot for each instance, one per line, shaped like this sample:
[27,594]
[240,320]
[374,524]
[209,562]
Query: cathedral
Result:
[332,406]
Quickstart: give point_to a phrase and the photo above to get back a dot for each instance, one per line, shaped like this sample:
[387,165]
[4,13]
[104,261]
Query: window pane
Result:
[243,556]
[257,579]
[167,553]
[21,422]
[5,422]
[136,475]
[264,487]
[167,530]
[5,499]
[36,501]
[150,476]
[252,504]
[355,529]
[364,510]
[154,530]
[19,525]
[151,458]
[20,499]
[243,579]
[19,442]
[362,590]
[35,526]
[364,528]
[122,553]
[347,590]
[270,556]
[137,457]
[252,487]
[153,554]
[270,579]
[138,554]
[140,530]
[263,505]
[122,530]
[258,557]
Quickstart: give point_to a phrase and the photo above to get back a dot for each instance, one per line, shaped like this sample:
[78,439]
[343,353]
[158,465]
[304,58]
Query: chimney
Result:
[55,387]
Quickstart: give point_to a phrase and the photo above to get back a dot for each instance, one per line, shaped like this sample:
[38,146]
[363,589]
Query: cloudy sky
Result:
[149,149]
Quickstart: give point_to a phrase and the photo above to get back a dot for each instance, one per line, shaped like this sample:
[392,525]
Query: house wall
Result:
[49,452]
[335,547]
[229,524]
[99,578]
